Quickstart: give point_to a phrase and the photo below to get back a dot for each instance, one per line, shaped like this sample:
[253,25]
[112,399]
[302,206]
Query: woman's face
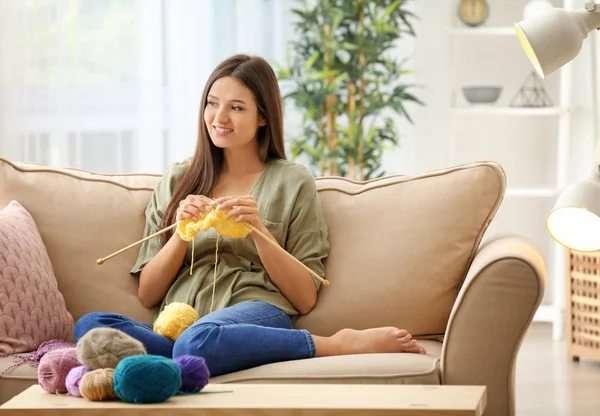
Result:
[231,114]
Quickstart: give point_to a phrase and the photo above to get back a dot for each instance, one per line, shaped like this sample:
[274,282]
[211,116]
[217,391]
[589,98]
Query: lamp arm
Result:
[595,112]
[591,24]
[591,6]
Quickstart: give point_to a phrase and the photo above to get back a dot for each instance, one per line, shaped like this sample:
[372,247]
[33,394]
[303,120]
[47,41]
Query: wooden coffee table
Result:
[270,399]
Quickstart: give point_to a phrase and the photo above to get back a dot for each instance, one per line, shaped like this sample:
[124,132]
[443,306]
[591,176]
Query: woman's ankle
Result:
[326,346]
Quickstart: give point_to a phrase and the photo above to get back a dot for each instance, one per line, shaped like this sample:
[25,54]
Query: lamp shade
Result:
[575,220]
[554,38]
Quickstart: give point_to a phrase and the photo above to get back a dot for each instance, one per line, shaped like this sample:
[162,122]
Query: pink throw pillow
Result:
[32,309]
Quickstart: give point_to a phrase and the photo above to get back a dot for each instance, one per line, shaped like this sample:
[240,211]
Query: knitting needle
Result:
[274,244]
[116,253]
[267,239]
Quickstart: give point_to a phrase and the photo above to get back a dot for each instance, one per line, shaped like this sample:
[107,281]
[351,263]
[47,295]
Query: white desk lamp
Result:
[550,41]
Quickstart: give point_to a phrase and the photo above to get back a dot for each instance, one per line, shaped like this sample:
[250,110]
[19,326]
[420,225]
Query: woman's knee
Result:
[90,321]
[199,340]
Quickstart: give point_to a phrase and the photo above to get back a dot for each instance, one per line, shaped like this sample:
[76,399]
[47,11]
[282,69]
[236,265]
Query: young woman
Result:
[240,166]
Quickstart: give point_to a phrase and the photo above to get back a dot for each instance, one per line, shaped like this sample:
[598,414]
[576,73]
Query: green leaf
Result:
[337,80]
[321,75]
[311,61]
[300,13]
[389,10]
[349,46]
[336,18]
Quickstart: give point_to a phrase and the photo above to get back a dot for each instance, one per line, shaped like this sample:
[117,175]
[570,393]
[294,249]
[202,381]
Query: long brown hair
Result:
[203,172]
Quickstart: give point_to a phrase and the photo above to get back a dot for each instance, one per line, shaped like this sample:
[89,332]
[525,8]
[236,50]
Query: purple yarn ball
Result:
[73,379]
[194,373]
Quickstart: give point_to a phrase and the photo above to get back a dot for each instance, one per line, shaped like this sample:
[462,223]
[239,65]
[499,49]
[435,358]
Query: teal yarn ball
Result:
[146,379]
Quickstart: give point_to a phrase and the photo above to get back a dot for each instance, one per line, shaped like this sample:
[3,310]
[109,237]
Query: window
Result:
[114,85]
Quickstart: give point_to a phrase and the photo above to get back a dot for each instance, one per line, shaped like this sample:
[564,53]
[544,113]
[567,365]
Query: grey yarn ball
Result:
[105,347]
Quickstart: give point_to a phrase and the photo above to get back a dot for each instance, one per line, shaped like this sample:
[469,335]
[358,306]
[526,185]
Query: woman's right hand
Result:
[192,206]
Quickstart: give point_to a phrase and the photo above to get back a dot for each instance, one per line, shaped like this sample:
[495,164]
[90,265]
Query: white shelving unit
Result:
[510,111]
[554,312]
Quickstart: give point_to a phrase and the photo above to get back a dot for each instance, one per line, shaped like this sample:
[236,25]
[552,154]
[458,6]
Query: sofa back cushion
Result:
[401,247]
[81,217]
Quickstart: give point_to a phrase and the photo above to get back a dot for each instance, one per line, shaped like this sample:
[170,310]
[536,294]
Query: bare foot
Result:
[375,340]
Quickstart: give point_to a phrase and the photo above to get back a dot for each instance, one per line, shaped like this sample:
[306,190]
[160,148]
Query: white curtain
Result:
[114,85]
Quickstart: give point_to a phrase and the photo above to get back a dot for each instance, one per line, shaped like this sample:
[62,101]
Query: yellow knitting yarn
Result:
[227,227]
[174,319]
[216,218]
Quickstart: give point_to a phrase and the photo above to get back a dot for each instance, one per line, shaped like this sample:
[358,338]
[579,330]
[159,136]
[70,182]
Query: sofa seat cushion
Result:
[362,368]
[20,372]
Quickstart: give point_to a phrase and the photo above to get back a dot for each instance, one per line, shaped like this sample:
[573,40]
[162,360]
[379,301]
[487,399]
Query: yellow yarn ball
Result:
[174,319]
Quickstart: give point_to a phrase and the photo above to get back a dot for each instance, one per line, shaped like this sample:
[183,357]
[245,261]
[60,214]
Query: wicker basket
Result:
[583,305]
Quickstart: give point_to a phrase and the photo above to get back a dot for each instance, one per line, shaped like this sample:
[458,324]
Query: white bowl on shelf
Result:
[482,94]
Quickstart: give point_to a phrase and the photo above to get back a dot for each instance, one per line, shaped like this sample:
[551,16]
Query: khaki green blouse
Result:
[288,204]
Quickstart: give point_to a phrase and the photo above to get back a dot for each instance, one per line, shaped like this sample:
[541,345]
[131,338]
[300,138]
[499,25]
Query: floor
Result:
[548,383]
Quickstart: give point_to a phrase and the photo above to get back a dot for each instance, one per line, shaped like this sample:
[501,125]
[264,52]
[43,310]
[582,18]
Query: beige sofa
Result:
[405,251]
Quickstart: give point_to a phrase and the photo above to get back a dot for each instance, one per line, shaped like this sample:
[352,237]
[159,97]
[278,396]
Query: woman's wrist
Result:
[178,241]
[258,239]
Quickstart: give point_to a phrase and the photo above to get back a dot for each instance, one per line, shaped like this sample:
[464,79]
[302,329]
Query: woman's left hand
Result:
[242,208]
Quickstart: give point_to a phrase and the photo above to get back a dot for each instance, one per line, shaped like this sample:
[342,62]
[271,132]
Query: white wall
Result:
[525,147]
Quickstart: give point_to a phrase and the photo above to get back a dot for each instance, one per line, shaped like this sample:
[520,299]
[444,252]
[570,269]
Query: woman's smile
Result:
[222,131]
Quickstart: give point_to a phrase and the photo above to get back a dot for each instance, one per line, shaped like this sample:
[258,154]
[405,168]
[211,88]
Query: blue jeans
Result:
[236,338]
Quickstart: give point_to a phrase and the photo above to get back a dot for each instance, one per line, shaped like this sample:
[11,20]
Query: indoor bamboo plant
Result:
[346,80]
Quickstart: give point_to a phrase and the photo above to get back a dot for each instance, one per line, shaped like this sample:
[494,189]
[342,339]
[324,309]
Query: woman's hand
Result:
[192,206]
[241,208]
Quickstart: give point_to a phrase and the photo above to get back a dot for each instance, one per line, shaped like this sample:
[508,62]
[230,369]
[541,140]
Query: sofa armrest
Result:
[494,308]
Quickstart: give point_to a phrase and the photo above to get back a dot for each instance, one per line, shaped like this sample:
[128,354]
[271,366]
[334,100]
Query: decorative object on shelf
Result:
[482,94]
[551,41]
[531,94]
[535,8]
[473,13]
